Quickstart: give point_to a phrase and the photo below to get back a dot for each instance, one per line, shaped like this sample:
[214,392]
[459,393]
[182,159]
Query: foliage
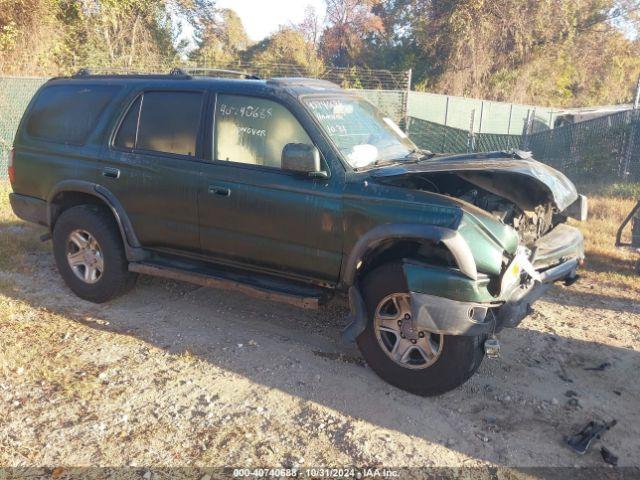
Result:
[287,46]
[41,37]
[220,39]
[554,52]
[349,24]
[557,52]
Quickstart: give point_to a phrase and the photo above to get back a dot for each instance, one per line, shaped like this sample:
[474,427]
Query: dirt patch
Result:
[177,375]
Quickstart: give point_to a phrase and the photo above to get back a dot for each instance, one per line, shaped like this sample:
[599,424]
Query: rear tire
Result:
[452,360]
[89,254]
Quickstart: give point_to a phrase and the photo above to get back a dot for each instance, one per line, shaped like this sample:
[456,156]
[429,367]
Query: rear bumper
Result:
[30,209]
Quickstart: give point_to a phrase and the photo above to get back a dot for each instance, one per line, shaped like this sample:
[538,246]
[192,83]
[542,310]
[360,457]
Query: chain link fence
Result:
[15,94]
[601,150]
[605,148]
[442,139]
[353,77]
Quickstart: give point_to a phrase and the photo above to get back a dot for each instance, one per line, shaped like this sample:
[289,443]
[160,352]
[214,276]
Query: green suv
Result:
[295,190]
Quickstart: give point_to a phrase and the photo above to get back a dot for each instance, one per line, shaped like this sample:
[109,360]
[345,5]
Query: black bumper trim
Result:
[29,209]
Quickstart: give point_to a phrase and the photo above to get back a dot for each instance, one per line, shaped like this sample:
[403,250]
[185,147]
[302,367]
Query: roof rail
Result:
[174,73]
[302,81]
[208,71]
[106,72]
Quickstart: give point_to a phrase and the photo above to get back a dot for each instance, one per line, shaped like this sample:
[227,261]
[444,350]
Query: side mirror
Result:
[300,157]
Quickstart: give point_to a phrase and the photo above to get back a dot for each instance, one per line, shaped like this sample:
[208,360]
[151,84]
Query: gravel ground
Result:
[176,375]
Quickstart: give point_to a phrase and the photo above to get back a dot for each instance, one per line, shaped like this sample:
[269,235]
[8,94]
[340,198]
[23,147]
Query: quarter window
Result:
[68,113]
[165,122]
[254,130]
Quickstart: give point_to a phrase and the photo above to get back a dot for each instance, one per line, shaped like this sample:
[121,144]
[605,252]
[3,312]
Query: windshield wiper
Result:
[421,155]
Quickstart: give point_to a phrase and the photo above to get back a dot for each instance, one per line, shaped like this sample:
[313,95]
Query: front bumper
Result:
[448,302]
[557,257]
[451,317]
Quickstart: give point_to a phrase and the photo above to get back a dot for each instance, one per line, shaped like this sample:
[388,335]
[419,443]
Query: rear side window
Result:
[68,113]
[165,122]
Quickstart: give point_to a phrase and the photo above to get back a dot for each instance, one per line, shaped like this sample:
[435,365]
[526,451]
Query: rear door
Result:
[252,212]
[152,166]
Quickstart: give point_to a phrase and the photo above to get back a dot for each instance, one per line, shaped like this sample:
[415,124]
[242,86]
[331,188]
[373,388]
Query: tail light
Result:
[12,172]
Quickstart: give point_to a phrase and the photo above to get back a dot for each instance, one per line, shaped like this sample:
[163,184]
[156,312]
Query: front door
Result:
[152,169]
[254,213]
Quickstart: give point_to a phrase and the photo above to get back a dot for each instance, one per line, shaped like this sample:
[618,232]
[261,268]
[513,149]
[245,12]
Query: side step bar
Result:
[216,281]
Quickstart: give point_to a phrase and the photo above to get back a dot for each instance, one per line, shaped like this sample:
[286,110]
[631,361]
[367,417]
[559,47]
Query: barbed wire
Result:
[345,77]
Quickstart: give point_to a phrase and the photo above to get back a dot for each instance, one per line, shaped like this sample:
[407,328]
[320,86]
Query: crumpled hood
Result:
[512,175]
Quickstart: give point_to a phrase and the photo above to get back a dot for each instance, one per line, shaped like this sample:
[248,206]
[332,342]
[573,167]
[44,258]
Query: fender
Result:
[133,248]
[408,231]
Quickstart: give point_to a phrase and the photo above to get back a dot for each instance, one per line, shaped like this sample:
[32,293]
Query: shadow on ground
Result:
[515,411]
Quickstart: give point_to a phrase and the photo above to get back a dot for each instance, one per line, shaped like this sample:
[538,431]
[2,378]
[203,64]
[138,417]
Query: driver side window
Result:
[254,131]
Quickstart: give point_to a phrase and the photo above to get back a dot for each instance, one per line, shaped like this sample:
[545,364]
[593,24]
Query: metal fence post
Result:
[444,130]
[471,139]
[636,103]
[405,106]
[524,143]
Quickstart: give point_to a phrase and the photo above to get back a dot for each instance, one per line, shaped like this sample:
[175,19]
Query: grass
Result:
[616,190]
[18,239]
[605,262]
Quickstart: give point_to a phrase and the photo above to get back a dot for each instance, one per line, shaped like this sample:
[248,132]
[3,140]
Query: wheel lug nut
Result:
[407,316]
[413,341]
[399,323]
[421,334]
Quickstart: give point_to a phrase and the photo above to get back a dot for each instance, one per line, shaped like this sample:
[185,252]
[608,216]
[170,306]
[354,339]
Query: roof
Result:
[293,85]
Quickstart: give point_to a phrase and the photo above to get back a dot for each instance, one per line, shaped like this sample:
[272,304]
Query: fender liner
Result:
[133,248]
[408,231]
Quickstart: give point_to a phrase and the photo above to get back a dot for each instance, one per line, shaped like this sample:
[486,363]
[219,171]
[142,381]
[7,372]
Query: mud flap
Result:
[357,317]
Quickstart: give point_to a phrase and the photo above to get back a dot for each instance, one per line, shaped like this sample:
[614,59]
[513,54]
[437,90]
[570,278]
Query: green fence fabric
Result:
[391,102]
[486,116]
[441,139]
[603,149]
[15,93]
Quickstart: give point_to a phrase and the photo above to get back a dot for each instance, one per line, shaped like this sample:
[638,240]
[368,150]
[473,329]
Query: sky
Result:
[263,17]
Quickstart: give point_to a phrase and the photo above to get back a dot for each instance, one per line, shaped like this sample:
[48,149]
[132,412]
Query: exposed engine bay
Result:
[529,210]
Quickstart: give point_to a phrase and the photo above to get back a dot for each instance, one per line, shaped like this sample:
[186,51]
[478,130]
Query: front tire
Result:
[89,254]
[419,362]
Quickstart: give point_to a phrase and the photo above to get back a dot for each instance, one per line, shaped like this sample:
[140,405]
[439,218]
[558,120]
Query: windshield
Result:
[364,136]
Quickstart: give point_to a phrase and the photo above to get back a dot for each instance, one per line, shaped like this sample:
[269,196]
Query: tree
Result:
[29,33]
[556,52]
[287,46]
[310,27]
[349,24]
[220,39]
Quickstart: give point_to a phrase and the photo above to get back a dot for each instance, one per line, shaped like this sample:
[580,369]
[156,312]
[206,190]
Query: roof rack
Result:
[302,81]
[174,73]
[207,72]
[106,72]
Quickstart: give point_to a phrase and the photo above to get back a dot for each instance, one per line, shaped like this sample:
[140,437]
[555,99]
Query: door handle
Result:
[111,172]
[219,191]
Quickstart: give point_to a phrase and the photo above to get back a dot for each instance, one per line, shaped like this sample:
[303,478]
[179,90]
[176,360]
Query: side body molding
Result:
[132,246]
[408,231]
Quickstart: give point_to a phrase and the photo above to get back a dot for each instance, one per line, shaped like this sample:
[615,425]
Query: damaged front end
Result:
[514,214]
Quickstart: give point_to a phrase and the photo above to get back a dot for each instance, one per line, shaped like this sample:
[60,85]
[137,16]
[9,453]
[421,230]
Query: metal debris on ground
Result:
[608,456]
[603,366]
[581,441]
